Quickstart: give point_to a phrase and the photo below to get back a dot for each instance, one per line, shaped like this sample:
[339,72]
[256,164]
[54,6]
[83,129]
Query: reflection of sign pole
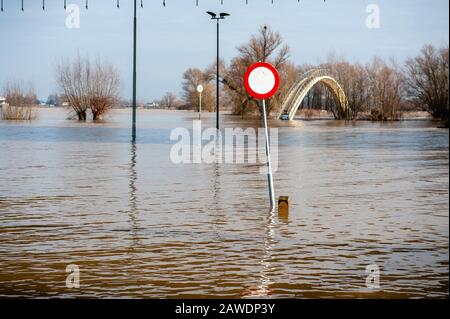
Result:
[262,81]
[200,90]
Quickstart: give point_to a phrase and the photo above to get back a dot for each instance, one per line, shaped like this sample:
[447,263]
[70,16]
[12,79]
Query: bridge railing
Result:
[299,86]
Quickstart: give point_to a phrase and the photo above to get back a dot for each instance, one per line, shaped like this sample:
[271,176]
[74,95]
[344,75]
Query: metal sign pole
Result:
[217,78]
[269,165]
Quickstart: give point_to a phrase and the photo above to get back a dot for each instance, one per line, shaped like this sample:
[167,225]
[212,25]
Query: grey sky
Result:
[179,36]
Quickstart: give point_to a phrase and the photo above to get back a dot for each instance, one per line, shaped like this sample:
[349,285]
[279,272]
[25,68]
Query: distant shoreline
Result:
[317,115]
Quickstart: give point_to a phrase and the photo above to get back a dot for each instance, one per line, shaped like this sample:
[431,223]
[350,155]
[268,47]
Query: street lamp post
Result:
[214,16]
[133,130]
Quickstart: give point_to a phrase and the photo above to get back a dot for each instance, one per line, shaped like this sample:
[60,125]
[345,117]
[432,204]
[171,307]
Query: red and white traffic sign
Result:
[261,80]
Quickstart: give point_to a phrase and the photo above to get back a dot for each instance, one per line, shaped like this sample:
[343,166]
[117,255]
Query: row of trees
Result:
[89,86]
[266,46]
[378,90]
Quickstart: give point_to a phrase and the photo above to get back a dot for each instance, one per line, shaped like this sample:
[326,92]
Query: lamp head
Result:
[212,14]
[223,15]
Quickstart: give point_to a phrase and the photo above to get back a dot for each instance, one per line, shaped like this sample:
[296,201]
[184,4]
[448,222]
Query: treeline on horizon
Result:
[379,90]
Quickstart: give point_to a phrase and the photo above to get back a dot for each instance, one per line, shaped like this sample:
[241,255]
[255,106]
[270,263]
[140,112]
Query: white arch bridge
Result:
[308,80]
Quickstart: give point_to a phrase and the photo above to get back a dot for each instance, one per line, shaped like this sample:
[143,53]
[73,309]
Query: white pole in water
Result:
[269,165]
[200,106]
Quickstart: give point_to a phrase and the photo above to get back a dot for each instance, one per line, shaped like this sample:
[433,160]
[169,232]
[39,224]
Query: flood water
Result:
[138,225]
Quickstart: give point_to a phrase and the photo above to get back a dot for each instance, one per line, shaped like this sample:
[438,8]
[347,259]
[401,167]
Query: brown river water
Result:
[138,225]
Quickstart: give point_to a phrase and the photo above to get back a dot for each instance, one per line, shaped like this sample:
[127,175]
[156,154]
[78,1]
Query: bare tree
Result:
[387,90]
[266,46]
[103,89]
[192,78]
[20,101]
[73,79]
[377,88]
[86,87]
[427,81]
[169,101]
[355,83]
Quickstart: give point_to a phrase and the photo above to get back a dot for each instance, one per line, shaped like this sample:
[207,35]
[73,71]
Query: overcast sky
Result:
[180,35]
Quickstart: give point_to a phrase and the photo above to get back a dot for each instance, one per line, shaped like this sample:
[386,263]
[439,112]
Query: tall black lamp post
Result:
[216,17]
[133,130]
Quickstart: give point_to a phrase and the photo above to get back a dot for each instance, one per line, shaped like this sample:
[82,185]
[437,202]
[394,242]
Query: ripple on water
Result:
[139,226]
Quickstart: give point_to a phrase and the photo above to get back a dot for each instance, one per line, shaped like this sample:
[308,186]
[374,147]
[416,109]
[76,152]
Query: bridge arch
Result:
[308,80]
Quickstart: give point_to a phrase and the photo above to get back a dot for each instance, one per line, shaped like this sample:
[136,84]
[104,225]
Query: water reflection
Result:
[263,290]
[133,212]
[215,210]
[284,218]
[141,226]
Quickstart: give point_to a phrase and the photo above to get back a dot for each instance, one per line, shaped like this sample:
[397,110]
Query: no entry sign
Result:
[261,80]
